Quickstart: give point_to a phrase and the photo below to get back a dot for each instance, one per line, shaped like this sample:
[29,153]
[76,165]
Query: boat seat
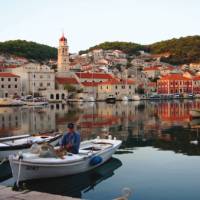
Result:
[84,152]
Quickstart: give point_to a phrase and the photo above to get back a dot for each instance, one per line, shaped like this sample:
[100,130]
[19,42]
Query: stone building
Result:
[35,78]
[63,55]
[9,84]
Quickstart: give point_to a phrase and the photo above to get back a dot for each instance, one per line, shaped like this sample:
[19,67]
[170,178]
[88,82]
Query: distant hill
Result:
[127,47]
[29,50]
[184,50]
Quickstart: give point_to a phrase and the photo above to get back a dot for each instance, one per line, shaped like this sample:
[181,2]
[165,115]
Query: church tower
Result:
[63,55]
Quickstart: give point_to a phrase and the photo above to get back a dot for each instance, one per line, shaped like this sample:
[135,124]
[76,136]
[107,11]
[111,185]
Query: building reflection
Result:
[136,123]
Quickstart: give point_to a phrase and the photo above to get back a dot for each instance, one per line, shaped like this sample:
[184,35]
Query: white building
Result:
[9,84]
[35,78]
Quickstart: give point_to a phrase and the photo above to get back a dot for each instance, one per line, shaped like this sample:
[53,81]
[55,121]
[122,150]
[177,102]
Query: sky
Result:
[90,22]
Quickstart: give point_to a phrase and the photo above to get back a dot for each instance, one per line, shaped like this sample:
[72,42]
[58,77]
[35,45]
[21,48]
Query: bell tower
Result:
[63,55]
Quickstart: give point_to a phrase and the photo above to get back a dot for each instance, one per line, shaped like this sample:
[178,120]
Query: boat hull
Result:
[38,170]
[195,113]
[6,151]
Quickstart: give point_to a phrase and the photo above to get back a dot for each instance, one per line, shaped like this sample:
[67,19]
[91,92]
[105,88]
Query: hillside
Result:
[183,50]
[127,47]
[29,50]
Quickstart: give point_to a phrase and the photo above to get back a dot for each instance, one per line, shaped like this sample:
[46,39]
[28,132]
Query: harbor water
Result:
[159,157]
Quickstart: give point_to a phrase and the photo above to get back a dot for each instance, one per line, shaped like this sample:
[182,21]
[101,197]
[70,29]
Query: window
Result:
[15,86]
[8,79]
[2,79]
[2,86]
[41,84]
[51,96]
[9,86]
[48,84]
[116,87]
[129,86]
[41,76]
[15,79]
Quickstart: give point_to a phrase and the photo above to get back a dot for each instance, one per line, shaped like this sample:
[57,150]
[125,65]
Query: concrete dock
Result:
[6,193]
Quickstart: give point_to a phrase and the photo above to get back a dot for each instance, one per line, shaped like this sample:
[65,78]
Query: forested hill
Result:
[127,47]
[29,50]
[183,50]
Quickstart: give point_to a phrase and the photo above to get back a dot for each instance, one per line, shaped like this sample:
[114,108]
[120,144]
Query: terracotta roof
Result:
[94,75]
[174,77]
[6,74]
[63,38]
[66,80]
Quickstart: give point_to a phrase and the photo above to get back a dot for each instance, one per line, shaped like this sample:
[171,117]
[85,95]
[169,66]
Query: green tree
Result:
[69,88]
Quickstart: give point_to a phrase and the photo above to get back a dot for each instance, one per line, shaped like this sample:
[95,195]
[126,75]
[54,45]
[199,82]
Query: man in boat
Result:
[71,140]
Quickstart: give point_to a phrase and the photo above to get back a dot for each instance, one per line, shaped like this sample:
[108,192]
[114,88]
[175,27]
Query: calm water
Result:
[156,161]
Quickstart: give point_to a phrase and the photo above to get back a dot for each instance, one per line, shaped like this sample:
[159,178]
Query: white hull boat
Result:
[136,98]
[12,145]
[195,113]
[34,103]
[10,102]
[124,98]
[93,153]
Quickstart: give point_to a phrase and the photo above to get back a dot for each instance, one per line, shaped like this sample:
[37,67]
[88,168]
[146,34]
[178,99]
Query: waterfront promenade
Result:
[6,193]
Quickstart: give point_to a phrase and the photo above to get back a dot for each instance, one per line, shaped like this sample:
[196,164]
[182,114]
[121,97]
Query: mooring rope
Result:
[18,176]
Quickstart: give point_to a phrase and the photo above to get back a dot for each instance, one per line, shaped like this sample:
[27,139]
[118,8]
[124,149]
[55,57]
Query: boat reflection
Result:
[5,171]
[75,185]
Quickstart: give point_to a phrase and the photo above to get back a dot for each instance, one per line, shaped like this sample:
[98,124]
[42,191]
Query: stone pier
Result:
[6,193]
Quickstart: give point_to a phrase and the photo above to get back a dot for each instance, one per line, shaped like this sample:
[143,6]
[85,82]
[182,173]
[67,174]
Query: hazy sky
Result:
[89,22]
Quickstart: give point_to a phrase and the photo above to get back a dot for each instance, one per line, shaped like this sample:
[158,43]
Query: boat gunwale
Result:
[64,163]
[27,145]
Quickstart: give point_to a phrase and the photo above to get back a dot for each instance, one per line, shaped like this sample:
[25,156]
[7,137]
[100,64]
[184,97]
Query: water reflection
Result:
[162,124]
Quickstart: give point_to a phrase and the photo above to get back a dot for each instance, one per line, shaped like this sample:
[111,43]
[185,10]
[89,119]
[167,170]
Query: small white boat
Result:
[92,153]
[11,145]
[124,98]
[194,113]
[10,102]
[136,97]
[75,100]
[36,103]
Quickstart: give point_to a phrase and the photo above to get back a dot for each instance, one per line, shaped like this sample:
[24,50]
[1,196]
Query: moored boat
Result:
[11,145]
[194,113]
[136,97]
[37,102]
[10,102]
[125,98]
[92,153]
